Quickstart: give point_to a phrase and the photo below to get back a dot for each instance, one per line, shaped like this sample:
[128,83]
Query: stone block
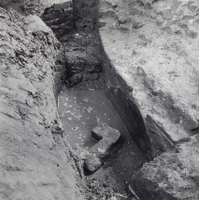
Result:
[107,137]
[92,163]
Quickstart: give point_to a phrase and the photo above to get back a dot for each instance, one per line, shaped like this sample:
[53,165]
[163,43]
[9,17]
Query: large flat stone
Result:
[107,137]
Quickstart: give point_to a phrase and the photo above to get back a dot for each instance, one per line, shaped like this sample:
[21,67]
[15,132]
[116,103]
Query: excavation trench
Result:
[88,74]
[93,91]
[81,108]
[97,98]
[88,79]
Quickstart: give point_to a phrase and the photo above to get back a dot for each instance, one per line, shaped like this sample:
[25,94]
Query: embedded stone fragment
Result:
[107,137]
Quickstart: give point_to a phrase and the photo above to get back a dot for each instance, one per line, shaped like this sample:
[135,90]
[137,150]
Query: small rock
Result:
[92,163]
[104,131]
[56,129]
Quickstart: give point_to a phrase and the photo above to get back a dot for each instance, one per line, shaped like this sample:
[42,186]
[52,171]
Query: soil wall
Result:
[152,46]
[118,94]
[35,160]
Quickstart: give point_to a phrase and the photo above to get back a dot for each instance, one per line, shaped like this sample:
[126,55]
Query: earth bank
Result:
[35,158]
[153,47]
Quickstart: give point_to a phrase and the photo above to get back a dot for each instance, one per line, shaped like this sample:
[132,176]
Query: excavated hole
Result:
[85,104]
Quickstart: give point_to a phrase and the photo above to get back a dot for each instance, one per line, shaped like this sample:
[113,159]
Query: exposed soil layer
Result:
[26,7]
[75,25]
[151,47]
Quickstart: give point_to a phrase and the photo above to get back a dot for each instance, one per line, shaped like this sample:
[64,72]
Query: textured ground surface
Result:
[153,46]
[29,6]
[34,158]
[173,175]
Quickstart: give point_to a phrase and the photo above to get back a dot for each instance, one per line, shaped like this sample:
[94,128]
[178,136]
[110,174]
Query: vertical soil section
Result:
[35,160]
